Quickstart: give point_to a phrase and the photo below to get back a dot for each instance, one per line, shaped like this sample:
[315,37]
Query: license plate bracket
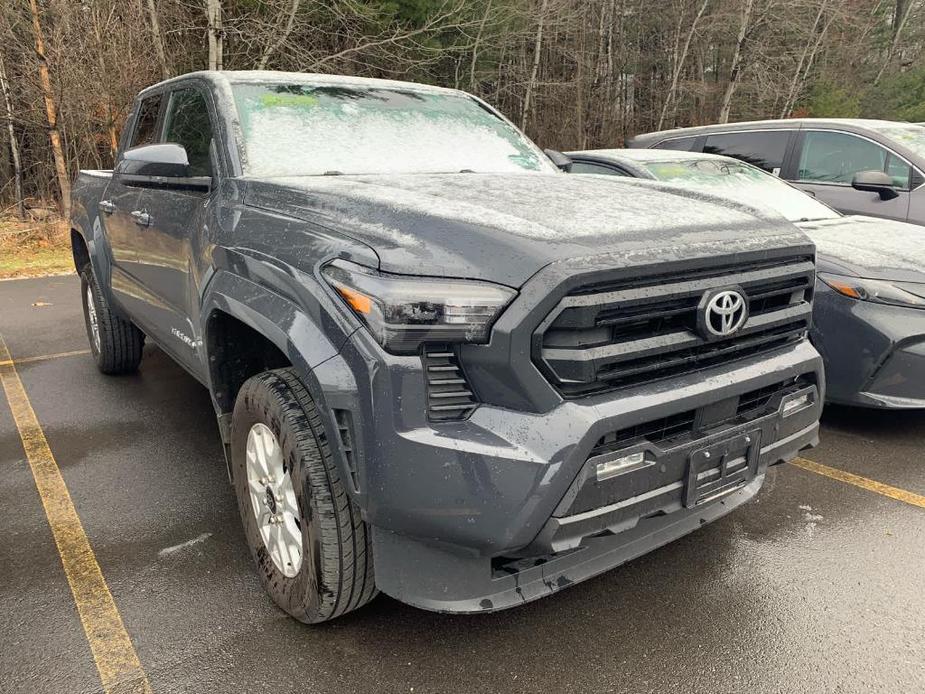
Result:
[721,467]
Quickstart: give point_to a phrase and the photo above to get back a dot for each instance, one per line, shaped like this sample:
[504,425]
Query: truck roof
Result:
[225,78]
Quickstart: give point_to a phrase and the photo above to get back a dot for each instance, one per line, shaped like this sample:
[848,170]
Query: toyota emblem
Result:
[722,313]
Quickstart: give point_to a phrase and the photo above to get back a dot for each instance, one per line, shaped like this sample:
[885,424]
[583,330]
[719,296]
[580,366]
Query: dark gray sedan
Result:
[870,290]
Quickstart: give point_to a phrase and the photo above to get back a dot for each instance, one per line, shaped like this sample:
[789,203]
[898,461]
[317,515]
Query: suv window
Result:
[146,123]
[681,144]
[187,123]
[764,149]
[830,157]
[589,168]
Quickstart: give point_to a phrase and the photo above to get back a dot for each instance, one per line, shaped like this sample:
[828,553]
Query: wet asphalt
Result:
[816,586]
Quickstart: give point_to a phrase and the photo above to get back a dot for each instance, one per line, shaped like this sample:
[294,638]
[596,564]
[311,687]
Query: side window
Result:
[187,123]
[146,124]
[900,172]
[764,149]
[587,167]
[830,157]
[682,144]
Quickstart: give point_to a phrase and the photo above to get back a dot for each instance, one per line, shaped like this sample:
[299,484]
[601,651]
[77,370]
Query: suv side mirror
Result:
[562,161]
[875,182]
[164,165]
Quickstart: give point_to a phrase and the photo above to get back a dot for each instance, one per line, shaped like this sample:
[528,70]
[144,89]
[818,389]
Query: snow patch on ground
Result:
[167,551]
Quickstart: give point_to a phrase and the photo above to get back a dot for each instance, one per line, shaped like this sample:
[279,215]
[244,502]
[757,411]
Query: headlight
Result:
[895,293]
[403,312]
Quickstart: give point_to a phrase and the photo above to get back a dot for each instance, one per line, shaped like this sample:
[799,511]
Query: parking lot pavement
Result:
[817,586]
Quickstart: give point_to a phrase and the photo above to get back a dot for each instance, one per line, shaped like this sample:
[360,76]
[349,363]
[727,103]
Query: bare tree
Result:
[680,59]
[51,114]
[158,39]
[216,34]
[735,65]
[14,146]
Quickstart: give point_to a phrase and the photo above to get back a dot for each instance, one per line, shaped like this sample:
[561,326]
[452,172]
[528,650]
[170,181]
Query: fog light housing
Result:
[617,466]
[795,403]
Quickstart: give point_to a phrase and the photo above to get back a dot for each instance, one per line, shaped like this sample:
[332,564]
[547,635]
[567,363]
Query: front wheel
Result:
[311,547]
[115,343]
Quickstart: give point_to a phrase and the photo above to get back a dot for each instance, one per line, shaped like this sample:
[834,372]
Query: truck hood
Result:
[869,247]
[504,228]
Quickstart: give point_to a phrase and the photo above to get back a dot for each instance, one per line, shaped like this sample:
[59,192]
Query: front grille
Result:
[612,335]
[449,397]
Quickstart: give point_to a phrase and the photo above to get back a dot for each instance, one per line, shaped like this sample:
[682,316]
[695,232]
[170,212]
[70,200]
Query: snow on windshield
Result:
[304,129]
[910,136]
[742,183]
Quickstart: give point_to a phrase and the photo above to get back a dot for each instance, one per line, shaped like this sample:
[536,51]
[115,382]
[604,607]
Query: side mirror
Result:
[875,182]
[163,165]
[561,161]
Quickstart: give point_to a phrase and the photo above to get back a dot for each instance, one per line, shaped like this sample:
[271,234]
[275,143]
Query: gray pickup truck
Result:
[441,368]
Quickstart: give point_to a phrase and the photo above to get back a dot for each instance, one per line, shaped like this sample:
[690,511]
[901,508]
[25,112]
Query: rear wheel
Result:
[116,344]
[311,547]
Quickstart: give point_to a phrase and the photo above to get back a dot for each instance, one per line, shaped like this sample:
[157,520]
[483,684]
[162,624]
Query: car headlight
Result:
[895,293]
[402,312]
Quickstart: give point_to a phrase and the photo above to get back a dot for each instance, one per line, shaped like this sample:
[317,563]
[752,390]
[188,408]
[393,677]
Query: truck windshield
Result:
[743,183]
[303,130]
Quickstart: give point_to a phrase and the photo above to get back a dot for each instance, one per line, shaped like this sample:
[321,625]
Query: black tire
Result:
[336,573]
[120,343]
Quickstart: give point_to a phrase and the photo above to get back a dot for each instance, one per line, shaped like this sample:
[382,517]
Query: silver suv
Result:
[857,166]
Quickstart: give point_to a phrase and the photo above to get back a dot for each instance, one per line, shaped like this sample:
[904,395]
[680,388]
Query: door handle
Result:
[107,207]
[142,219]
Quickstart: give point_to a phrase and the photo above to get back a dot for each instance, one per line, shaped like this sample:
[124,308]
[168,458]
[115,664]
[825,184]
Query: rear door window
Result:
[831,157]
[681,144]
[187,123]
[146,124]
[765,149]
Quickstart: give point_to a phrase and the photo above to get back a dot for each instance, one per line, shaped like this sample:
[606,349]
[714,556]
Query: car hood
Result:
[505,227]
[869,247]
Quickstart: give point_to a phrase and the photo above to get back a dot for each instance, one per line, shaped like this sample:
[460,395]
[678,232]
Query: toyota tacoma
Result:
[441,368]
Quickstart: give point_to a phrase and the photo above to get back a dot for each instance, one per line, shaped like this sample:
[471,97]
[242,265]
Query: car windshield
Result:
[743,183]
[910,136]
[304,129]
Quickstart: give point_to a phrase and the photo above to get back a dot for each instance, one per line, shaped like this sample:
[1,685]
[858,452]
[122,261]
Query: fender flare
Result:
[299,334]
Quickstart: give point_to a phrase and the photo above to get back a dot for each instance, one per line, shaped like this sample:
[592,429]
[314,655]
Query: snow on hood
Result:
[871,247]
[507,226]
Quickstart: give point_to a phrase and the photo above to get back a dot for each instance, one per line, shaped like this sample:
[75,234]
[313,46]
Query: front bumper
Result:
[874,353]
[484,513]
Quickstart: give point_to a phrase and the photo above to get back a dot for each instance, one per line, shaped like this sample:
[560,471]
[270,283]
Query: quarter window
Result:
[830,157]
[681,144]
[587,167]
[765,149]
[188,124]
[146,123]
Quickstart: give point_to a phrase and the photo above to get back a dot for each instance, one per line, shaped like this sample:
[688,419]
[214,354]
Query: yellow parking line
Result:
[116,661]
[43,357]
[862,482]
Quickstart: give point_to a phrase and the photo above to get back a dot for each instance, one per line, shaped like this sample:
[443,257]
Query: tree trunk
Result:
[805,62]
[475,46]
[680,64]
[158,39]
[903,10]
[51,114]
[537,53]
[734,67]
[14,146]
[275,45]
[214,14]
